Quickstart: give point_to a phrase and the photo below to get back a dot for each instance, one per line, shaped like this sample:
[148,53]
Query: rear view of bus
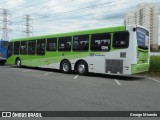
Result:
[130,54]
[3,52]
[142,51]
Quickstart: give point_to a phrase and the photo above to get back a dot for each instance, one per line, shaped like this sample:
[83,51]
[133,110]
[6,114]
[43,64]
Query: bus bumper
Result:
[139,68]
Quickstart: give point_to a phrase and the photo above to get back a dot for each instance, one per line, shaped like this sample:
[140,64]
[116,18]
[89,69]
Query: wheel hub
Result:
[18,63]
[81,68]
[65,67]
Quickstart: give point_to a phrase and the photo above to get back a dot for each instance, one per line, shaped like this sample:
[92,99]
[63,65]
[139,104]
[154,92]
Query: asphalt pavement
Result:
[33,89]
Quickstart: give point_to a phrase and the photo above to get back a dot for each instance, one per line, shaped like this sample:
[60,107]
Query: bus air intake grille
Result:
[114,66]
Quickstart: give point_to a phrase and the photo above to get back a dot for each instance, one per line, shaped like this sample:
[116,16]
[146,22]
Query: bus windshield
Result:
[142,38]
[4,44]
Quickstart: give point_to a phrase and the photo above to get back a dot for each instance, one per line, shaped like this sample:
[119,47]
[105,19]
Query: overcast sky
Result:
[58,16]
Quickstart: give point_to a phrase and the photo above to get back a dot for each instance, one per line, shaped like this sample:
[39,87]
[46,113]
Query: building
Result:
[146,14]
[130,18]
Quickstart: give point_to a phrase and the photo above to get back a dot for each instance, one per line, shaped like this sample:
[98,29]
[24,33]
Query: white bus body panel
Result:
[97,62]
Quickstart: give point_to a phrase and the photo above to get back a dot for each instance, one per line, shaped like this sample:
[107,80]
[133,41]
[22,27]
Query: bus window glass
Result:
[41,45]
[51,44]
[10,49]
[31,47]
[16,48]
[81,43]
[121,39]
[64,44]
[100,42]
[23,48]
[142,38]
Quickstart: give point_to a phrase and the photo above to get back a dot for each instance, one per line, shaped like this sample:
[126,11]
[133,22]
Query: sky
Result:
[59,16]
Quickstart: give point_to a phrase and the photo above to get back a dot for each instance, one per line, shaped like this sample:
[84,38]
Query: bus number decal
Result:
[104,48]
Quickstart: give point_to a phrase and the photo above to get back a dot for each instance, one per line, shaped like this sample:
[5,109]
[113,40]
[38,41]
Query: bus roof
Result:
[109,29]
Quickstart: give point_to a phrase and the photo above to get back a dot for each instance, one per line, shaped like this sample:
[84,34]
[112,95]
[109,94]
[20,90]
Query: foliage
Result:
[154,63]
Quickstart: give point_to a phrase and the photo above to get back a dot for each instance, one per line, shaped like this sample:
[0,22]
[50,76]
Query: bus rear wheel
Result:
[82,68]
[66,66]
[18,62]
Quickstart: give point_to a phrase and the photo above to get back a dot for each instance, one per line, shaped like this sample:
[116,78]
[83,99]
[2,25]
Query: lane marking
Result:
[76,77]
[26,70]
[153,79]
[118,83]
[48,73]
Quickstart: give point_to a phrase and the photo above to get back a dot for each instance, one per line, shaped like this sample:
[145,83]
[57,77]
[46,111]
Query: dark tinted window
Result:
[81,43]
[10,49]
[121,40]
[16,48]
[31,47]
[23,48]
[100,42]
[41,45]
[51,44]
[64,44]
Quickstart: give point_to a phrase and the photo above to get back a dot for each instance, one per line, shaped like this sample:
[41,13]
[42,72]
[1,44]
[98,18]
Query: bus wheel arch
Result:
[65,66]
[81,67]
[18,62]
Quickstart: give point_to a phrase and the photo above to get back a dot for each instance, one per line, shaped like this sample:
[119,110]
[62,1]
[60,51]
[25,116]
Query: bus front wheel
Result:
[66,66]
[82,68]
[18,63]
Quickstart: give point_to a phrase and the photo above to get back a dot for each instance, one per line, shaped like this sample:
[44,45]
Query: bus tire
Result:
[2,62]
[82,68]
[18,62]
[66,66]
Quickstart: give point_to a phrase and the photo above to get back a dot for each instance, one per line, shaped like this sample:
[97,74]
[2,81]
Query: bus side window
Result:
[121,39]
[31,47]
[81,43]
[51,44]
[23,48]
[64,44]
[41,45]
[100,42]
[10,50]
[16,48]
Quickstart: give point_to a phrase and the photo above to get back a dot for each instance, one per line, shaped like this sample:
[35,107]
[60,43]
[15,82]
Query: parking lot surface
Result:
[33,89]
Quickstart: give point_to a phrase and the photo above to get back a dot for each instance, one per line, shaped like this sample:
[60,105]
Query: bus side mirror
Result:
[134,29]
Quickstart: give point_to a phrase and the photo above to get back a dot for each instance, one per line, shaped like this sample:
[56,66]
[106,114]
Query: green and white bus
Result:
[118,50]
